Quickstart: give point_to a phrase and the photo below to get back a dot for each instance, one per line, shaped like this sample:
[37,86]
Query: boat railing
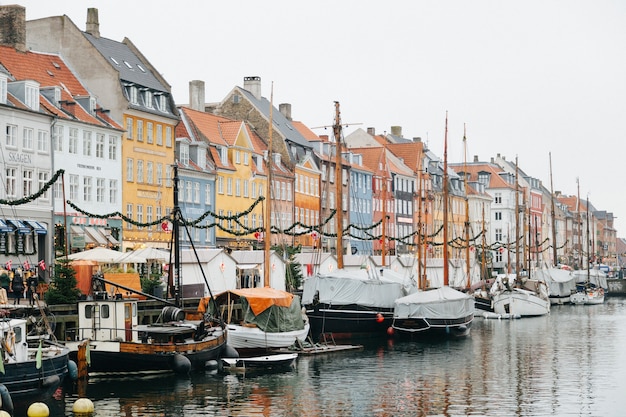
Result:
[102,333]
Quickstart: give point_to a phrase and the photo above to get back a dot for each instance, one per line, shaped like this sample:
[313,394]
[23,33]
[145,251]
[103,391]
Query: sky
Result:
[534,80]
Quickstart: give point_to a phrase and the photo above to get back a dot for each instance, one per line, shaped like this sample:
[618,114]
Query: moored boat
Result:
[519,301]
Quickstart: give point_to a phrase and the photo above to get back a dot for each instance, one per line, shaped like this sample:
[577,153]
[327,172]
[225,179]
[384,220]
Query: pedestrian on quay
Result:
[17,287]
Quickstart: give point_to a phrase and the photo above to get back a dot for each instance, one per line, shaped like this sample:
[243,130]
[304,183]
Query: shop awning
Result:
[79,231]
[37,227]
[247,266]
[19,226]
[96,235]
[4,227]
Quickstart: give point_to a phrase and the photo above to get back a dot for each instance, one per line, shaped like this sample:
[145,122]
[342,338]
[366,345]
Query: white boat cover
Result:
[596,277]
[360,287]
[560,282]
[442,303]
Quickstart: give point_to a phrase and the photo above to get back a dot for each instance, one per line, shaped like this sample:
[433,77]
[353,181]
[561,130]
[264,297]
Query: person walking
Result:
[17,287]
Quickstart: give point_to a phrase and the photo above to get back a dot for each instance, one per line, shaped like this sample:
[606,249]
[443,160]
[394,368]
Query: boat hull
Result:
[520,303]
[112,358]
[348,321]
[244,337]
[588,297]
[423,326]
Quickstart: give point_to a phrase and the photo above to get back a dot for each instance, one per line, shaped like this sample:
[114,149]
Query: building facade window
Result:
[28,138]
[87,188]
[27,182]
[86,143]
[129,169]
[99,145]
[73,142]
[113,148]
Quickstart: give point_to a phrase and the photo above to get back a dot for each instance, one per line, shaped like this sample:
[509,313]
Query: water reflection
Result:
[571,362]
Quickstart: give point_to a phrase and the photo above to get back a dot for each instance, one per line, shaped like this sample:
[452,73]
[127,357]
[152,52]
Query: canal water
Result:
[569,363]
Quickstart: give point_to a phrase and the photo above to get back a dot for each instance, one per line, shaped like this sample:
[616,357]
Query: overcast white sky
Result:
[526,77]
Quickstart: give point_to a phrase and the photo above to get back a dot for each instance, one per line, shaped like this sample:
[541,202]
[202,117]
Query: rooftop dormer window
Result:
[3,88]
[132,94]
[184,154]
[147,98]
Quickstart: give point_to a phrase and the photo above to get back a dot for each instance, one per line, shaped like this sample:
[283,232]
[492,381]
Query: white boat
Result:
[508,299]
[442,311]
[260,318]
[265,362]
[590,286]
[561,283]
[588,296]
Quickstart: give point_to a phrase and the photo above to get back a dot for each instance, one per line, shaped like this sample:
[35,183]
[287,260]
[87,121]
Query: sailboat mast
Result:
[579,228]
[176,235]
[268,200]
[467,223]
[554,253]
[517,235]
[445,206]
[420,229]
[588,253]
[338,183]
[383,239]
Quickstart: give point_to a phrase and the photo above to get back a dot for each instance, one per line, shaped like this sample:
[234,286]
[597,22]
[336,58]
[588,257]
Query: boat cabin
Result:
[13,343]
[107,319]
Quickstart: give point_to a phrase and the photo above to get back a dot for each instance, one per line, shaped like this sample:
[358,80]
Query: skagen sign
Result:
[21,158]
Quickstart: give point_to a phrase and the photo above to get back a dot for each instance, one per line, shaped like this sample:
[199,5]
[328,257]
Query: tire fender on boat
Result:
[72,370]
[229,352]
[5,398]
[181,364]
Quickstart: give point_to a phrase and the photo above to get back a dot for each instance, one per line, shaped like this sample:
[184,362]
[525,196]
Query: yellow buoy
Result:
[38,410]
[83,406]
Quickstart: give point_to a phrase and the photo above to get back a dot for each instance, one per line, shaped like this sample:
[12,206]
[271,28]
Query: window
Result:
[189,191]
[73,145]
[27,182]
[99,145]
[229,186]
[498,215]
[140,130]
[159,174]
[129,128]
[87,186]
[196,194]
[112,148]
[73,187]
[237,157]
[3,88]
[184,154]
[140,171]
[147,99]
[11,174]
[245,188]
[253,194]
[288,191]
[86,143]
[100,184]
[220,184]
[149,132]
[246,158]
[129,214]
[32,96]
[129,169]
[28,138]
[159,135]
[58,189]
[162,103]
[113,191]
[42,180]
[149,172]
[207,194]
[158,212]
[498,235]
[168,136]
[238,187]
[498,198]
[11,136]
[168,177]
[57,139]
[132,94]
[140,214]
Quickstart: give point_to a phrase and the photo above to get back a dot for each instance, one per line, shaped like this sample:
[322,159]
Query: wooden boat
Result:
[29,372]
[518,301]
[271,362]
[260,319]
[117,344]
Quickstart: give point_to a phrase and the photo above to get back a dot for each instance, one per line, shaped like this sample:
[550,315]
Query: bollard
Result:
[38,410]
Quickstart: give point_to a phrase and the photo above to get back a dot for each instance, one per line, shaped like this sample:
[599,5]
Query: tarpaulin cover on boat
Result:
[444,303]
[271,310]
[358,286]
[560,282]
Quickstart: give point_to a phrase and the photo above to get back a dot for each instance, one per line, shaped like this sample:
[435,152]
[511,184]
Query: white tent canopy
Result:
[101,255]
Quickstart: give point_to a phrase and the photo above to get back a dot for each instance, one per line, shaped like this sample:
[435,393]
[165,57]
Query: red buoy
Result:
[390,331]
[379,318]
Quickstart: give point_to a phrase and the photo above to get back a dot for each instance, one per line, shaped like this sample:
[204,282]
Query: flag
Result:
[42,265]
[39,354]
[26,265]
[8,265]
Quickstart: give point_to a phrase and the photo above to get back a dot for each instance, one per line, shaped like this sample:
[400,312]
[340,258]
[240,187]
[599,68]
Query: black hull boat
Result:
[348,321]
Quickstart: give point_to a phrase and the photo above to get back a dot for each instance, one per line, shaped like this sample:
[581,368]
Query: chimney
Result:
[93,25]
[475,158]
[371,131]
[13,26]
[253,85]
[417,139]
[396,131]
[285,110]
[196,95]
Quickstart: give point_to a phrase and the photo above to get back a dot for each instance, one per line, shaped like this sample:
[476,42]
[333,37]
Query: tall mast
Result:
[338,183]
[420,229]
[383,250]
[445,206]
[588,253]
[517,235]
[176,235]
[554,254]
[483,260]
[268,200]
[579,221]
[467,223]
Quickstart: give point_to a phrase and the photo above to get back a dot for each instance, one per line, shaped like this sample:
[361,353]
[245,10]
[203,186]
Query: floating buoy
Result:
[390,331]
[6,402]
[83,406]
[4,414]
[379,318]
[72,370]
[181,364]
[38,410]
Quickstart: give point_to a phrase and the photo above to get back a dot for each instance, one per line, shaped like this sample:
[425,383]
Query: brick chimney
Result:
[371,131]
[285,110]
[396,131]
[93,25]
[13,26]
[196,95]
[253,85]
